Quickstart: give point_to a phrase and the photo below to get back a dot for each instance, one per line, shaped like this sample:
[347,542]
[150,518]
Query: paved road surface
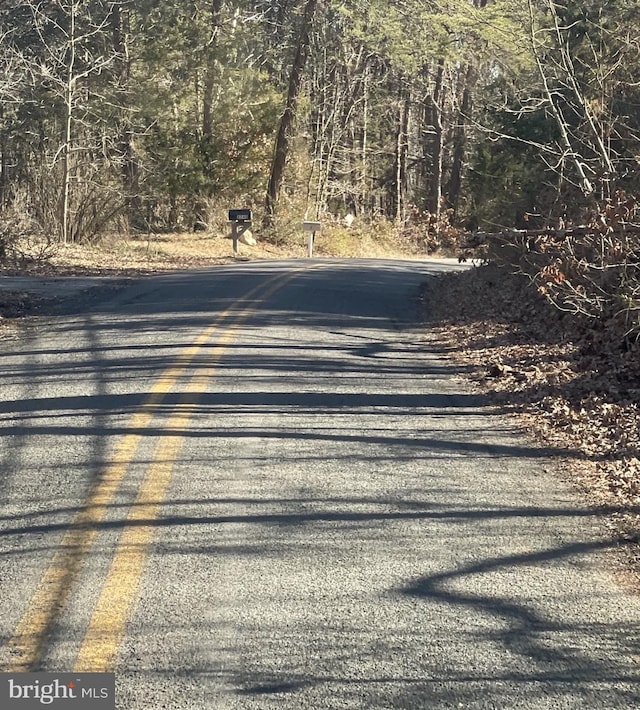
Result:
[255,486]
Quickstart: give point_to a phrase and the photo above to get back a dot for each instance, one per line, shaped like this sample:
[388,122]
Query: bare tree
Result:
[14,72]
[75,49]
[583,145]
[287,119]
[210,68]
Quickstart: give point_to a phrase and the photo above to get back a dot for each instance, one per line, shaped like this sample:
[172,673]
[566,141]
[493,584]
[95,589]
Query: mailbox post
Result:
[240,221]
[311,228]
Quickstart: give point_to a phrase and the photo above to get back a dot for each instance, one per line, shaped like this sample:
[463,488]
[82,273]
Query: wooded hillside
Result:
[155,114]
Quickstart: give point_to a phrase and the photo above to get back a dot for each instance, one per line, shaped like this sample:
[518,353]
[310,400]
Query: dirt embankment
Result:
[572,383]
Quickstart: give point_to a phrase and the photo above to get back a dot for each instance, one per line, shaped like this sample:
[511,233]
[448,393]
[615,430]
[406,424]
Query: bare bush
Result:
[432,232]
[93,207]
[23,242]
[591,270]
[594,270]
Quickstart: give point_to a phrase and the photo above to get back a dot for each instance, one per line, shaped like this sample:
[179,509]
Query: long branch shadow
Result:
[405,510]
[264,400]
[528,632]
[427,444]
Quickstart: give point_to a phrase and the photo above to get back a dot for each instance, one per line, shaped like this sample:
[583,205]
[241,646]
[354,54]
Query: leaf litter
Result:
[572,382]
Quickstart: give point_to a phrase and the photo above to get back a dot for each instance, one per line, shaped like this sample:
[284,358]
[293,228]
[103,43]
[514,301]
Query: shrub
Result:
[23,242]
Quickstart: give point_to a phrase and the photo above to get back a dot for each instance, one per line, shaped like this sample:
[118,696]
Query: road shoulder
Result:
[533,362]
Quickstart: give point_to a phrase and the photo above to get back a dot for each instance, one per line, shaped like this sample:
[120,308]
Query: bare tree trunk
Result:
[435,112]
[454,185]
[402,154]
[69,100]
[4,177]
[210,70]
[130,168]
[460,138]
[364,182]
[286,122]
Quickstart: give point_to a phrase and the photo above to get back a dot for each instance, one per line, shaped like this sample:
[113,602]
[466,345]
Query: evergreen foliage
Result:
[150,114]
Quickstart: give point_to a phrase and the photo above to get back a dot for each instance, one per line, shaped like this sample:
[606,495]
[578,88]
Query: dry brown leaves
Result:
[573,384]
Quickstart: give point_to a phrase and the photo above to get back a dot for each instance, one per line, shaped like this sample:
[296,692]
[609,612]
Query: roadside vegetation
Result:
[156,116]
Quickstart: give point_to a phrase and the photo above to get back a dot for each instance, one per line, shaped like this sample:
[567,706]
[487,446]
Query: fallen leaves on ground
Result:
[572,383]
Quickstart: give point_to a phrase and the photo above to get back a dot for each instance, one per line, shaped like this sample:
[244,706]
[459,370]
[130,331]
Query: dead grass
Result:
[122,255]
[118,255]
[573,385]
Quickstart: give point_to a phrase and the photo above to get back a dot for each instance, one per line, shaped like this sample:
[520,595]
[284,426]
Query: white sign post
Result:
[311,228]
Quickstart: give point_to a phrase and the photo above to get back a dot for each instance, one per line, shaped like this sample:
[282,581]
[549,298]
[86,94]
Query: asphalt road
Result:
[259,486]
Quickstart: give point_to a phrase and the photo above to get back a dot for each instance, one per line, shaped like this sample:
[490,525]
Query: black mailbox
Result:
[239,215]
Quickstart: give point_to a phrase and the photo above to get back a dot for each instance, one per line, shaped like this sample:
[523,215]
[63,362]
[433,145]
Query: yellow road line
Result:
[29,640]
[107,625]
[51,595]
[108,620]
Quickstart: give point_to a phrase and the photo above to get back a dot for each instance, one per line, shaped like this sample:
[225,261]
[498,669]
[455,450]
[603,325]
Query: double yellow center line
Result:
[106,628]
